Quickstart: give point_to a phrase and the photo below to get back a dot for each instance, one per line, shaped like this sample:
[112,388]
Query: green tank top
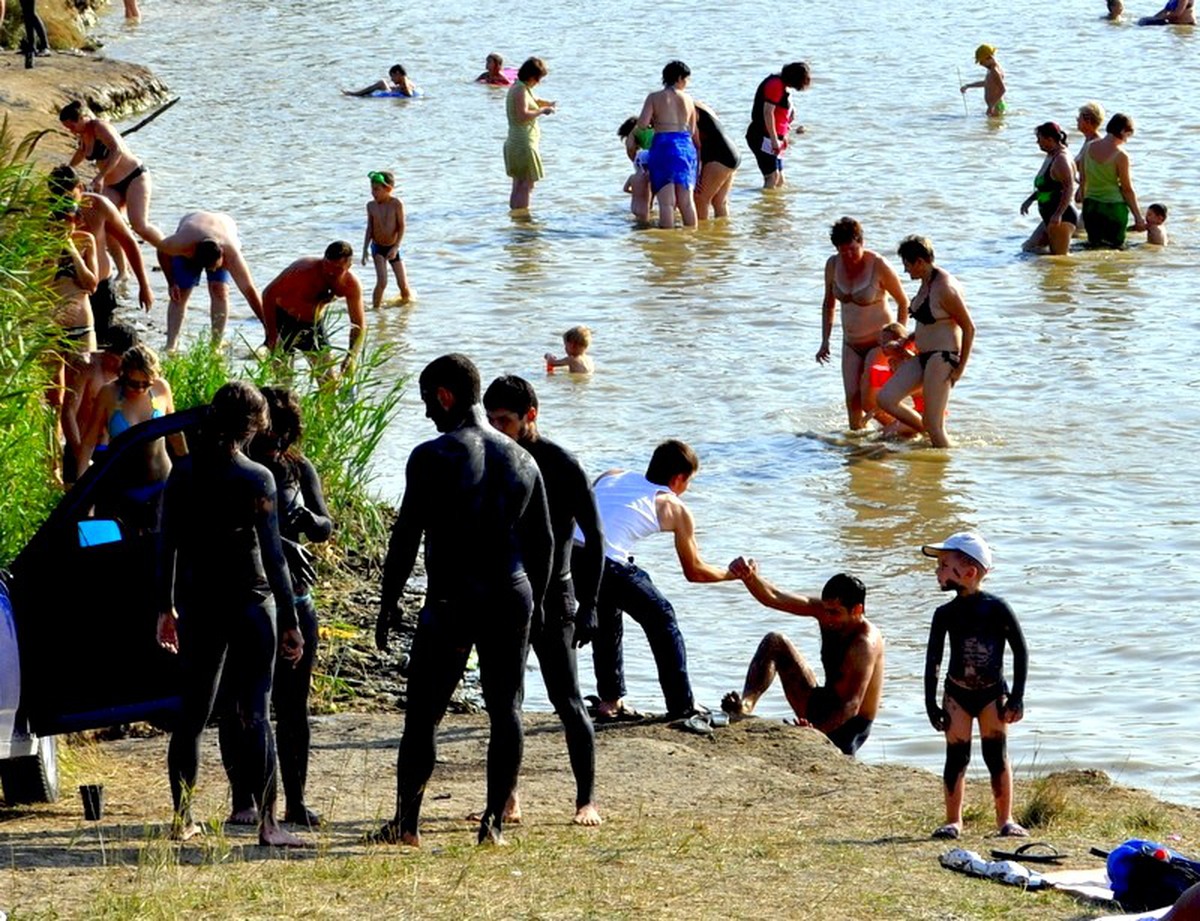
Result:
[1102,182]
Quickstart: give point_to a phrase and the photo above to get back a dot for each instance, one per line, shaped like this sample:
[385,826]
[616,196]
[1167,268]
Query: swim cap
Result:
[383,177]
[983,52]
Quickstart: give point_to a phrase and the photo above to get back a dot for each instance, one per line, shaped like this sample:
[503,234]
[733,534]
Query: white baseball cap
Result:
[967,542]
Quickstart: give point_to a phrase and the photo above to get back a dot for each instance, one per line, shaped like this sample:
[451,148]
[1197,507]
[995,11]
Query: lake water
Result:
[1075,420]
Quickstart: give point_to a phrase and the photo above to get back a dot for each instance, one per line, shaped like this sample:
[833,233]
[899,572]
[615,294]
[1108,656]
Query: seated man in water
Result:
[852,652]
[397,84]
[295,300]
[204,242]
[1175,13]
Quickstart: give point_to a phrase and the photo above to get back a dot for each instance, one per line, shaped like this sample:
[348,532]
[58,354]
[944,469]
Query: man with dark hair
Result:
[480,502]
[204,242]
[104,221]
[631,507]
[771,119]
[294,303]
[512,408]
[851,651]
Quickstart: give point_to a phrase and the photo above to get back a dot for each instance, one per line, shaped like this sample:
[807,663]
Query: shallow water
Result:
[1074,419]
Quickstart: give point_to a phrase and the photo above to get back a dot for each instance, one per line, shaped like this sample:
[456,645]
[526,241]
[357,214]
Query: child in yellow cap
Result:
[993,84]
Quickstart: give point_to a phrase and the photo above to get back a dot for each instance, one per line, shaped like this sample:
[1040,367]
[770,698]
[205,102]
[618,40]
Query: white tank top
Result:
[627,512]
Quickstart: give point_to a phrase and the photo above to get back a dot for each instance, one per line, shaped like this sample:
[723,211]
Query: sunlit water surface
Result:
[1075,421]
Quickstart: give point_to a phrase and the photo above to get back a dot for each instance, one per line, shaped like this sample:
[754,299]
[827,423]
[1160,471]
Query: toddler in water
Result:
[895,347]
[385,231]
[576,341]
[993,84]
[1156,216]
[637,148]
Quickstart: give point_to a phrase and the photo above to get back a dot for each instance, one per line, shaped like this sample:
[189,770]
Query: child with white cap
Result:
[978,625]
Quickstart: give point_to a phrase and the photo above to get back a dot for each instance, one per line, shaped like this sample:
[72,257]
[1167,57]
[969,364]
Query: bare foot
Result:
[185,831]
[390,833]
[243,817]
[587,815]
[274,836]
[733,704]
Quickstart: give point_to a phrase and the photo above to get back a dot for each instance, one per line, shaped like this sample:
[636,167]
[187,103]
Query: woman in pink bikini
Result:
[861,280]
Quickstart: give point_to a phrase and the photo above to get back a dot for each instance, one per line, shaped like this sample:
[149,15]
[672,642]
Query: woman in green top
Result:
[1108,195]
[521,158]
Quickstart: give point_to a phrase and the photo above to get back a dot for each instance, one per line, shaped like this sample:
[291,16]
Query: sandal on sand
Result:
[947,832]
[1013,830]
[1026,853]
[621,713]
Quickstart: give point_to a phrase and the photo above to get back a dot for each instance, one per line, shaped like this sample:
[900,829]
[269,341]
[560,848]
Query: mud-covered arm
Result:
[266,523]
[167,544]
[933,664]
[1020,654]
[589,567]
[313,520]
[404,543]
[537,543]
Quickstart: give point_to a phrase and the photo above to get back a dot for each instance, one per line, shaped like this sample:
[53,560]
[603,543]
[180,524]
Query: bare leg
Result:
[852,369]
[1060,238]
[522,190]
[937,395]
[380,279]
[993,732]
[687,205]
[891,398]
[639,202]
[775,655]
[131,10]
[955,775]
[666,206]
[176,310]
[218,294]
[402,280]
[137,203]
[720,201]
[1036,240]
[712,178]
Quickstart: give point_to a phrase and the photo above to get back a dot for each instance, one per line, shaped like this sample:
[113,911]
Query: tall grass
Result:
[343,424]
[28,248]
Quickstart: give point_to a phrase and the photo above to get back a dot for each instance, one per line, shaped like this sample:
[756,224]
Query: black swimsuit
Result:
[923,314]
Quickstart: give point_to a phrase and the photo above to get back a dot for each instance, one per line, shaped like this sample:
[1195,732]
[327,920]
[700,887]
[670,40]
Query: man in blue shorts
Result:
[204,242]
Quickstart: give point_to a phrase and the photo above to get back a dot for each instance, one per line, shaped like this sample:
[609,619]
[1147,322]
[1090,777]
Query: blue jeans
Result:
[627,588]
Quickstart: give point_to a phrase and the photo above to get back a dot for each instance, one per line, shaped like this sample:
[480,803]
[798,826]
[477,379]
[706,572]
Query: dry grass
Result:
[759,820]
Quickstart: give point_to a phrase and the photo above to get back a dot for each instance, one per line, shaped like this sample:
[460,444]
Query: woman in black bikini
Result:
[120,176]
[944,336]
[1053,190]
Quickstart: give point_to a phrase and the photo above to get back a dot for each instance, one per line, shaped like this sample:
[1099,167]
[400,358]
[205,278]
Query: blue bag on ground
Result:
[1146,875]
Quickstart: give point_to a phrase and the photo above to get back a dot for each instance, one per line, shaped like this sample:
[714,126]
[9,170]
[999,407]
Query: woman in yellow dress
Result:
[521,158]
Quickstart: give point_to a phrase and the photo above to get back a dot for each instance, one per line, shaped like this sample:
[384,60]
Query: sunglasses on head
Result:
[135,385]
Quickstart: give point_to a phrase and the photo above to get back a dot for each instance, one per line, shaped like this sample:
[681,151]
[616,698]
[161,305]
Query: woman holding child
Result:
[861,280]
[943,337]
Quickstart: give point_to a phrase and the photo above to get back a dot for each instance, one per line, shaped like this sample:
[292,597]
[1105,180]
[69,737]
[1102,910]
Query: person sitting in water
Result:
[1115,10]
[493,72]
[993,84]
[397,84]
[1156,216]
[895,347]
[1175,13]
[576,341]
[852,651]
[673,153]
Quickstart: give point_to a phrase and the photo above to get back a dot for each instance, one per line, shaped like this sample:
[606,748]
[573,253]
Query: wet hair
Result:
[208,253]
[578,335]
[237,411]
[457,373]
[63,181]
[531,68]
[141,358]
[796,75]
[494,57]
[512,393]
[627,127]
[915,247]
[845,230]
[1053,131]
[1157,208]
[670,459]
[73,111]
[1115,6]
[397,69]
[1092,112]
[339,250]
[845,589]
[283,410]
[1119,124]
[119,338]
[674,72]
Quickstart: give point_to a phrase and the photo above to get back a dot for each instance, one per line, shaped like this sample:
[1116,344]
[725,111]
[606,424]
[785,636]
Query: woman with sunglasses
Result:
[1108,195]
[302,513]
[139,394]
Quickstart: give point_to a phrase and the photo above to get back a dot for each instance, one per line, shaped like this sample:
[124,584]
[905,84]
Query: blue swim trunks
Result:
[672,160]
[377,250]
[186,273]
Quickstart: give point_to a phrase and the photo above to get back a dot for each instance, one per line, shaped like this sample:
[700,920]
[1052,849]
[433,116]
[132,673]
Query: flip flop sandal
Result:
[1033,852]
[697,724]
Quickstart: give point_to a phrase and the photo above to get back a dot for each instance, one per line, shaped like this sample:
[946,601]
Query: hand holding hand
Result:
[742,568]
